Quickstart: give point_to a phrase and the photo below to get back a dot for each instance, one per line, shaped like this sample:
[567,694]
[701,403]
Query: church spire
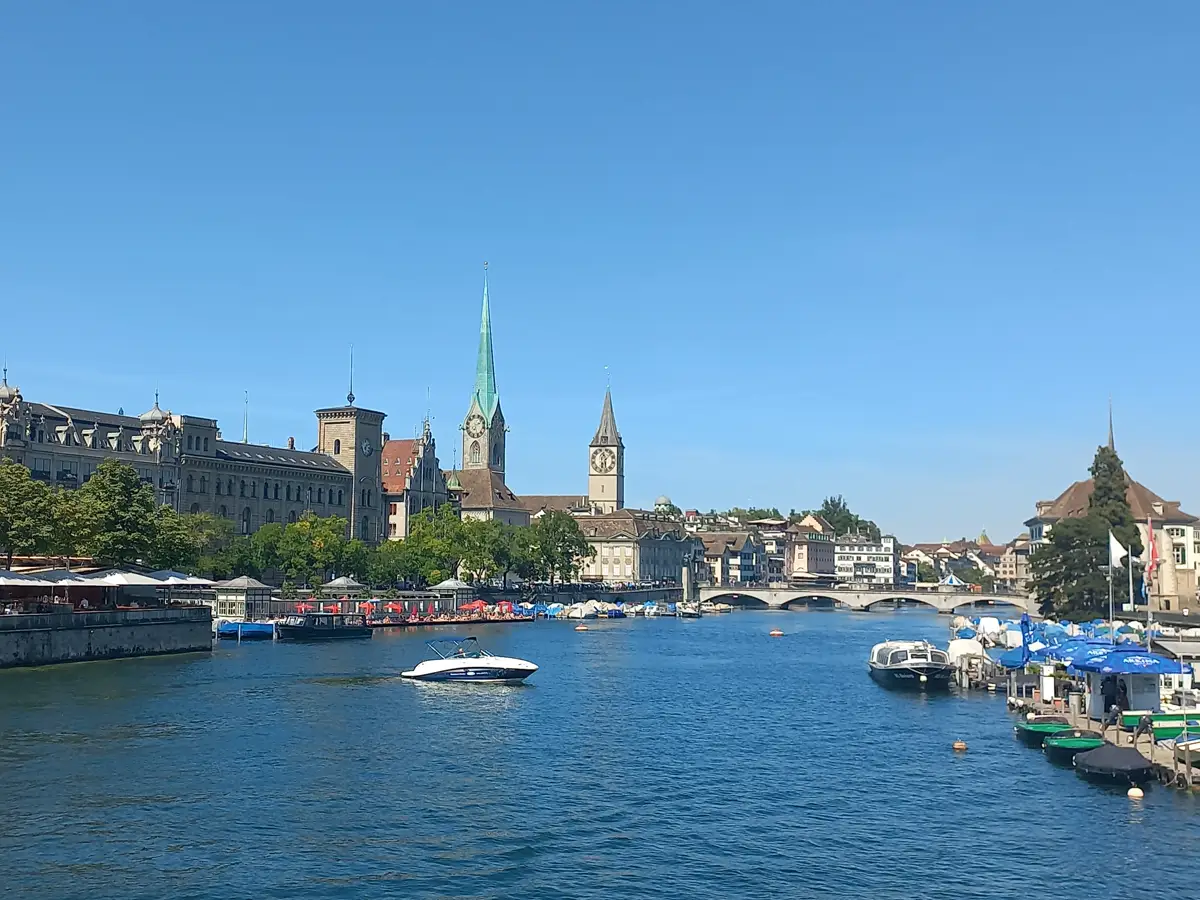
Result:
[1111,443]
[485,365]
[607,432]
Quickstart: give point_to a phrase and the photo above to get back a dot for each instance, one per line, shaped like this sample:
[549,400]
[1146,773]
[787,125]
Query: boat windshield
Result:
[458,648]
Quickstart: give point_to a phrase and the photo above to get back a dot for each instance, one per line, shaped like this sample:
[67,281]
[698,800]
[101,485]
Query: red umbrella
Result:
[431,607]
[331,608]
[474,604]
[505,606]
[394,607]
[304,607]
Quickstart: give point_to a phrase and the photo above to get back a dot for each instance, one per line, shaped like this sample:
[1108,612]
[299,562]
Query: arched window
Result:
[320,495]
[366,525]
[291,517]
[195,508]
[229,489]
[242,491]
[190,486]
[495,454]
[224,513]
[362,496]
[277,490]
[189,442]
[266,490]
[246,520]
[308,493]
[337,447]
[218,484]
[204,484]
[340,500]
[289,493]
[474,453]
[206,445]
[270,515]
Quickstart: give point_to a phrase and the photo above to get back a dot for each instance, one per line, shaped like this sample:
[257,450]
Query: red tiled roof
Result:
[1143,503]
[397,460]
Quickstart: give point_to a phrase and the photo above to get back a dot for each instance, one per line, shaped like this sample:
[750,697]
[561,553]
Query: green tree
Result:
[558,545]
[390,562]
[26,511]
[837,513]
[212,536]
[926,573]
[436,541]
[1071,572]
[355,560]
[265,544]
[117,514]
[174,545]
[749,515]
[65,526]
[483,548]
[312,547]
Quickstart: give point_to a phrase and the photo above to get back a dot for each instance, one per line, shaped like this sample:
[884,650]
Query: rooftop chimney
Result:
[291,443]
[386,437]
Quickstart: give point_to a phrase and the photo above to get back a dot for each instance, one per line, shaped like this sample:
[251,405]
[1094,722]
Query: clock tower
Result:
[483,430]
[354,436]
[606,462]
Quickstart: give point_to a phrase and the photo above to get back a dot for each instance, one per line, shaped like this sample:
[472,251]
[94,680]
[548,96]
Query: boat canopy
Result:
[1127,661]
[1111,760]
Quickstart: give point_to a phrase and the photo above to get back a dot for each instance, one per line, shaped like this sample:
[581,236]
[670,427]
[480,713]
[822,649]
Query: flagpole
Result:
[1112,636]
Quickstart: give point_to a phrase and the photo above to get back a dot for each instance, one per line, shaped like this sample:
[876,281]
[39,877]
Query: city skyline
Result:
[885,256]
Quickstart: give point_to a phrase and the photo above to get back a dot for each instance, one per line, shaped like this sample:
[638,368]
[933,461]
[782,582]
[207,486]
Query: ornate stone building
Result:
[412,480]
[192,469]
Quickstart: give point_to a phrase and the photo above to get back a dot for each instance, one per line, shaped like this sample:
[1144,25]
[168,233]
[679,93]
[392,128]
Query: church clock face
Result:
[475,425]
[604,460]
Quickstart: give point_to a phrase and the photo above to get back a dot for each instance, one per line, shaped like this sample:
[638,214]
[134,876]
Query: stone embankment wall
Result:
[40,640]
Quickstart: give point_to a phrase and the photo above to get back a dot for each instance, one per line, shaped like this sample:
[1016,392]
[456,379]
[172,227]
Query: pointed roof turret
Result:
[607,432]
[7,393]
[154,416]
[485,364]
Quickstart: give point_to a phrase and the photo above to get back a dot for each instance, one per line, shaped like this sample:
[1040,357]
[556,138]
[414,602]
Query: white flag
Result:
[1115,551]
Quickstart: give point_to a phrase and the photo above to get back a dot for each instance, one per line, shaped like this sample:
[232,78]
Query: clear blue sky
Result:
[899,251]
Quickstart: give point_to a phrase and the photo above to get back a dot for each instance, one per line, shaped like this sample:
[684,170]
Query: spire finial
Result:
[485,364]
[1111,443]
[246,420]
[350,395]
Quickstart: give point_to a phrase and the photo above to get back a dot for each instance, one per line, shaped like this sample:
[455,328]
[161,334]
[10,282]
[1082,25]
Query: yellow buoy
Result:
[581,627]
[959,745]
[775,632]
[1135,793]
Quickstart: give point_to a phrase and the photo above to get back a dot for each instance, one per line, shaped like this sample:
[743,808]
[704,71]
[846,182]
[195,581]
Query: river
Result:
[649,758]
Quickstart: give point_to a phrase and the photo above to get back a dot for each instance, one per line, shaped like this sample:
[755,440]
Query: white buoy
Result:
[959,746]
[1030,716]
[1135,793]
[581,627]
[924,678]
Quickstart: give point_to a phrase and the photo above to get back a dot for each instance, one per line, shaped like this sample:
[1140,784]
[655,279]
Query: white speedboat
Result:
[686,610]
[462,659]
[910,664]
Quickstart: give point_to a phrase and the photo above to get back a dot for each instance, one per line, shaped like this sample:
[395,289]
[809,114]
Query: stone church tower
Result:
[483,428]
[606,463]
[354,436]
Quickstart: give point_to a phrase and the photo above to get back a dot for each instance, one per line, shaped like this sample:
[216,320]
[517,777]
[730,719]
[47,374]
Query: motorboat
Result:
[322,627]
[1115,766]
[1033,730]
[463,659]
[653,609]
[686,610]
[1061,746]
[917,665]
[229,630]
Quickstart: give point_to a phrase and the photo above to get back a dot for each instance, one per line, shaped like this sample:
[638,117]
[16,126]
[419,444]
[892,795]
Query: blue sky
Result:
[902,252]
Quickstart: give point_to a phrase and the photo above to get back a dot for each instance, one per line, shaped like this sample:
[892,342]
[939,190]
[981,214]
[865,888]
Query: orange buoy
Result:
[959,746]
[775,632]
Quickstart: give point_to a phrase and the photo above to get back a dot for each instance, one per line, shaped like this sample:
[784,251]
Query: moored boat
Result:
[915,665]
[1061,746]
[323,627]
[462,659]
[687,610]
[1033,732]
[246,631]
[1113,765]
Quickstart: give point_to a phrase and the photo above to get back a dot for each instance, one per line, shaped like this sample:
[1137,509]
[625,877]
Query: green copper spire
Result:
[485,366]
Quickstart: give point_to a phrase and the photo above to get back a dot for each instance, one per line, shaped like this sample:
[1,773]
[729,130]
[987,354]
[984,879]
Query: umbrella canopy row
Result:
[113,578]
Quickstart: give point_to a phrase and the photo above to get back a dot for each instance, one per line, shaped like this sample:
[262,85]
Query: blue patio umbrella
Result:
[1133,661]
[1074,652]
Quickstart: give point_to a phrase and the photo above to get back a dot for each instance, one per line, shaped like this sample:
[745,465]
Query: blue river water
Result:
[654,758]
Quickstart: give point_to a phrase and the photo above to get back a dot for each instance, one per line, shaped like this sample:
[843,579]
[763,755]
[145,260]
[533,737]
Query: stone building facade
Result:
[412,481]
[632,545]
[192,469]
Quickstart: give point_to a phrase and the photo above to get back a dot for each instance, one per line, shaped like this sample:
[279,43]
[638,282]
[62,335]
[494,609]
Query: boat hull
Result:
[473,674]
[1063,753]
[246,631]
[313,635]
[913,678]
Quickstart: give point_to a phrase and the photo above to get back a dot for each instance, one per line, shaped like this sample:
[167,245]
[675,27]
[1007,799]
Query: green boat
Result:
[1061,746]
[1167,726]
[1032,732]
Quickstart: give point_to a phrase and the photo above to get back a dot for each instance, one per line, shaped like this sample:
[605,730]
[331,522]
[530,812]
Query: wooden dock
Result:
[1184,775]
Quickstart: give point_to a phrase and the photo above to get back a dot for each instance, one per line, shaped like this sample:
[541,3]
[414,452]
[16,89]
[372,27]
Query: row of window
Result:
[196,443]
[318,495]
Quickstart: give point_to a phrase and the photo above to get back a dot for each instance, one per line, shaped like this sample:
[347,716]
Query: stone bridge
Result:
[858,601]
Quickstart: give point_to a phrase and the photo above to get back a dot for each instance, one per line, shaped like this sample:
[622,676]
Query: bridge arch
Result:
[734,598]
[816,600]
[929,603]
